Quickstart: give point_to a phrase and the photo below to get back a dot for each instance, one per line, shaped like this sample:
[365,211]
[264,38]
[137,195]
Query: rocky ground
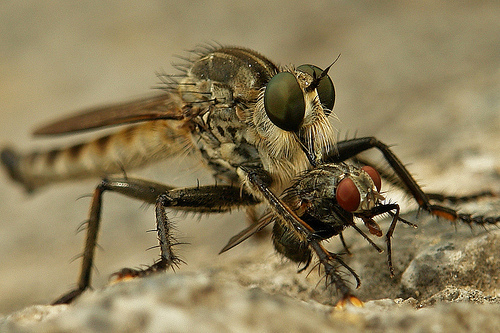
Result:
[422,76]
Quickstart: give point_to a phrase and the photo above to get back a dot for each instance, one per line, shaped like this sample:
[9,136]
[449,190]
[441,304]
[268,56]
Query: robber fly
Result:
[264,132]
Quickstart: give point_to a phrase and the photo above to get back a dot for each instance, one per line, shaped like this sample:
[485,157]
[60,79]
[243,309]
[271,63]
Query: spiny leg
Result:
[461,199]
[166,241]
[258,179]
[350,148]
[439,197]
[333,276]
[203,199]
[89,250]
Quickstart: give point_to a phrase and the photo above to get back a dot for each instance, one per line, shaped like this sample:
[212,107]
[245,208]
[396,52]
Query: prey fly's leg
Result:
[350,148]
[367,217]
[203,199]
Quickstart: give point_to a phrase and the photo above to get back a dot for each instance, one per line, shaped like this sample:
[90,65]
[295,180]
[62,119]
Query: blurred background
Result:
[424,76]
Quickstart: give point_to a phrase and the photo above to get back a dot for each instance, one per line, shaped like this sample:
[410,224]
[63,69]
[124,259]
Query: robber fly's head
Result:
[291,97]
[293,112]
[359,190]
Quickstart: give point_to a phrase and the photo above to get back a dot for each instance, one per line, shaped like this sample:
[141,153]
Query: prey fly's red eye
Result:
[374,175]
[347,195]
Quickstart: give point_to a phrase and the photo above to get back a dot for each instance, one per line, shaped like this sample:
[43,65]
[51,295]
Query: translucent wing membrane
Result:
[144,109]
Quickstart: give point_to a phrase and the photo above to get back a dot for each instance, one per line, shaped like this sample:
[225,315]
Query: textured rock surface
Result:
[203,302]
[423,76]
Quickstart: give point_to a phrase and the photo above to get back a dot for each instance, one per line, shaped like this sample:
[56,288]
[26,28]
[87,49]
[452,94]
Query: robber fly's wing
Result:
[144,109]
[246,233]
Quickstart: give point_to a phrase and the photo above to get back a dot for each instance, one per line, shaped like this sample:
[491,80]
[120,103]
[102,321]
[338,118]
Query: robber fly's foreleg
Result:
[259,180]
[350,148]
[203,199]
[440,197]
[460,199]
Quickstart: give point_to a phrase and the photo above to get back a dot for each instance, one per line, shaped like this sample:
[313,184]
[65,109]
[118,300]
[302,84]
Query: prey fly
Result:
[264,132]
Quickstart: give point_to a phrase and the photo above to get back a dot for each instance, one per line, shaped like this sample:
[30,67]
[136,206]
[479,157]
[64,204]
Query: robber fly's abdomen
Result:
[115,153]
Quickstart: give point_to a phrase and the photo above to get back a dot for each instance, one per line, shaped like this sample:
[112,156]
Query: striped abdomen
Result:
[127,149]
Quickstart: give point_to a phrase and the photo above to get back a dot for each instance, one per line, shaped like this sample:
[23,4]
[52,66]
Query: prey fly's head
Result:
[359,190]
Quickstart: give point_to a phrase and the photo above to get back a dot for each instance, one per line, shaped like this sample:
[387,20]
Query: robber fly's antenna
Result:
[317,79]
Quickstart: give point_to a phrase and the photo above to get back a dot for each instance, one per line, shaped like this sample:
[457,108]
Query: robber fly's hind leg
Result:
[90,245]
[350,148]
[203,199]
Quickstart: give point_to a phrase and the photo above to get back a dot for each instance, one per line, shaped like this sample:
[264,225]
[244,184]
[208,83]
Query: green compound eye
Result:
[326,90]
[284,102]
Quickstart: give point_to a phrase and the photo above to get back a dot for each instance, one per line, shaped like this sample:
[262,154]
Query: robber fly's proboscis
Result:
[264,132]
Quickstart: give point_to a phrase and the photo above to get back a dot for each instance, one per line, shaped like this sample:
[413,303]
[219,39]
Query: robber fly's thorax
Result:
[226,87]
[220,88]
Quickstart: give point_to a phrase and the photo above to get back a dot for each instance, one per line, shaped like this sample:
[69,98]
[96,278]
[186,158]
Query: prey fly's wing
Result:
[150,108]
[246,233]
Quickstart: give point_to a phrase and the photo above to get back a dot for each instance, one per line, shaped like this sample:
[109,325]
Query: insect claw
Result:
[124,274]
[69,297]
[356,301]
[305,265]
[391,272]
[341,304]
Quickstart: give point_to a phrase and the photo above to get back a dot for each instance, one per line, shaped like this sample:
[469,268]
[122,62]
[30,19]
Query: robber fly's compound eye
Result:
[284,101]
[347,194]
[326,90]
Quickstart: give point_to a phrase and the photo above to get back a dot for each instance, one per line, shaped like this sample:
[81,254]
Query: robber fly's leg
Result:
[350,148]
[396,181]
[332,275]
[259,180]
[205,199]
[166,243]
[89,250]
[460,199]
[141,190]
